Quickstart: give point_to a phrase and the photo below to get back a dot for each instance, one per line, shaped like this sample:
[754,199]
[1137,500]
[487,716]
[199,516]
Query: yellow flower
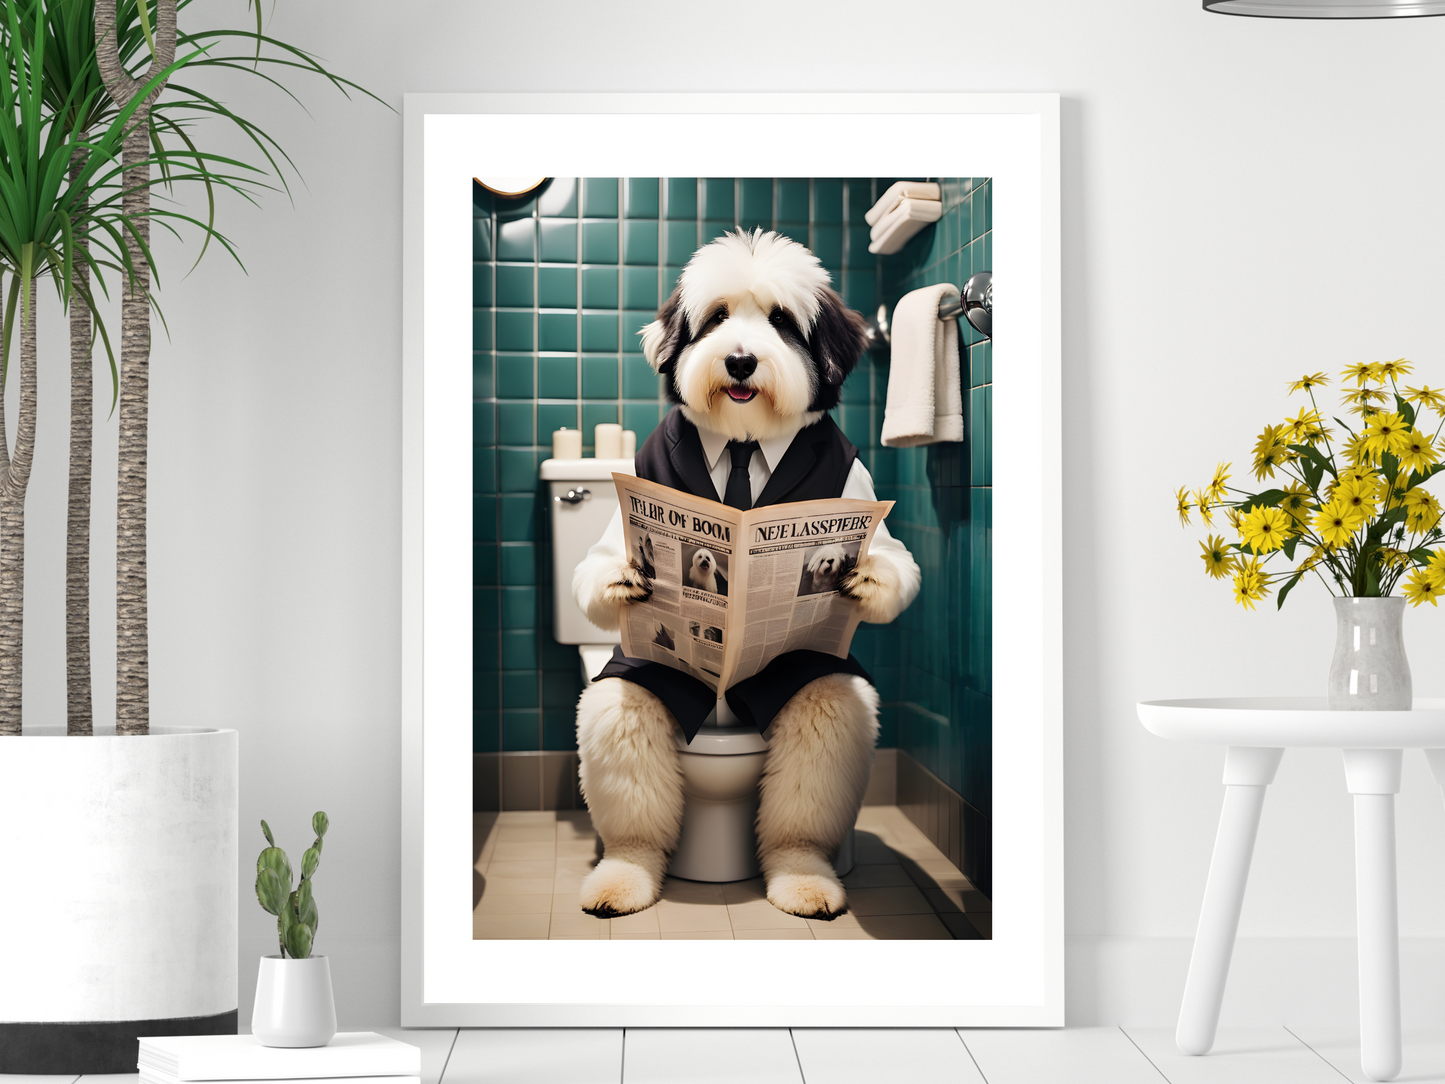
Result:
[1417,452]
[1306,428]
[1359,472]
[1235,517]
[1393,370]
[1437,564]
[1337,522]
[1424,513]
[1385,433]
[1313,559]
[1359,494]
[1296,501]
[1201,500]
[1354,450]
[1362,371]
[1422,586]
[1182,497]
[1309,382]
[1216,484]
[1364,396]
[1264,529]
[1270,451]
[1249,583]
[1218,561]
[1426,396]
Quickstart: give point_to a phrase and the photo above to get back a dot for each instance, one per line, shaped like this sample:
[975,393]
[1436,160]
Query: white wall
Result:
[1244,201]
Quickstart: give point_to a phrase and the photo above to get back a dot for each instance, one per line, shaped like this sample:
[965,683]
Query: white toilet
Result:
[722,765]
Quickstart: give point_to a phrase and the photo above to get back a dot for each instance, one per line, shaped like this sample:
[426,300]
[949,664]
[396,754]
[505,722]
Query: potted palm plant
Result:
[133,833]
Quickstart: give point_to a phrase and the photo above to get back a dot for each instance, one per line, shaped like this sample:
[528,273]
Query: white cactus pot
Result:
[122,858]
[294,1004]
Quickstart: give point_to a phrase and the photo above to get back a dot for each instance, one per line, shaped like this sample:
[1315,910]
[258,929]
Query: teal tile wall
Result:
[561,284]
[933,666]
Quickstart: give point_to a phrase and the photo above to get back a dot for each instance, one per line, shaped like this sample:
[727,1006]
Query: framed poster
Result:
[645,157]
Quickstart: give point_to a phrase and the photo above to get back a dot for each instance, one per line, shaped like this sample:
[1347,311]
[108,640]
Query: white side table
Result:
[1257,731]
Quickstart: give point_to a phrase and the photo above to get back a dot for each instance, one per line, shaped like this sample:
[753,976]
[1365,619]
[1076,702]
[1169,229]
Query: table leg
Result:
[1373,777]
[1247,772]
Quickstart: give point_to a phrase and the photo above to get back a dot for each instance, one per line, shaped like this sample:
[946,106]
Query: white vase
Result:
[120,859]
[1369,671]
[294,1004]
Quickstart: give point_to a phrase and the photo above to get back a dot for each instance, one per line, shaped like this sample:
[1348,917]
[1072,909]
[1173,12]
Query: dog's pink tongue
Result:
[742,395]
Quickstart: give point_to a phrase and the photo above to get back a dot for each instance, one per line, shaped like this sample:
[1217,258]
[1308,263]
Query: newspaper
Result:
[733,590]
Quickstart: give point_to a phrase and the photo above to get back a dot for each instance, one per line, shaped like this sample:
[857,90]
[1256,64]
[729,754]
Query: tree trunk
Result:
[14,480]
[132,677]
[78,712]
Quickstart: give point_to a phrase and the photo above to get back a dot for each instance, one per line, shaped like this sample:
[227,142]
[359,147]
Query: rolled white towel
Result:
[894,229]
[925,394]
[901,190]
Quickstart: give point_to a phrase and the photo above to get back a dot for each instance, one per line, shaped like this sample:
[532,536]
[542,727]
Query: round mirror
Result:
[509,187]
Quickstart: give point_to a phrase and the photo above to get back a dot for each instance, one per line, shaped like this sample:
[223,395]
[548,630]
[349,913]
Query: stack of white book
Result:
[352,1057]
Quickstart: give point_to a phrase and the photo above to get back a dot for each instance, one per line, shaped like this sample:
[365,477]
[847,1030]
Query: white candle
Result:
[629,444]
[567,444]
[607,440]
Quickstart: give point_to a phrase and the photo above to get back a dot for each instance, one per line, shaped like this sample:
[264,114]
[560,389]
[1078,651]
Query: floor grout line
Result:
[1315,1052]
[1146,1057]
[802,1076]
[966,1050]
[443,1074]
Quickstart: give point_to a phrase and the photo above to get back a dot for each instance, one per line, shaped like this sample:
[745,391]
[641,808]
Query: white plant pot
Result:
[122,857]
[294,1003]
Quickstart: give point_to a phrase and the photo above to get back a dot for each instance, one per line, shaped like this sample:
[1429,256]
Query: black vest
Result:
[815,467]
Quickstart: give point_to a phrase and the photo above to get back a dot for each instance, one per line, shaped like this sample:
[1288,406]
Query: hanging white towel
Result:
[901,190]
[894,230]
[925,397]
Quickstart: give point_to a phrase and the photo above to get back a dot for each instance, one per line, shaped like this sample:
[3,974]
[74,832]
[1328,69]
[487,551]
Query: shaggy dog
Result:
[664,639]
[645,557]
[754,345]
[828,567]
[703,573]
[713,634]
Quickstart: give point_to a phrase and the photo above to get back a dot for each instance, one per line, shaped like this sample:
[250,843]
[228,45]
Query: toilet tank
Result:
[582,498]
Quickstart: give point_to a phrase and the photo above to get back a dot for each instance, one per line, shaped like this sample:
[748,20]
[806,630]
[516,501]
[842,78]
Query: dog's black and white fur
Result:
[645,556]
[754,344]
[828,567]
[703,573]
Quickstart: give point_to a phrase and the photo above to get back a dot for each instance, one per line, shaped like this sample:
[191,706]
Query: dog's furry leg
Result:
[632,781]
[819,753]
[883,584]
[603,585]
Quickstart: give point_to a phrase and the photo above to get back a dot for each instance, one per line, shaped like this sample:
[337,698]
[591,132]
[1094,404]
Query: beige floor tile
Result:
[743,891]
[762,915]
[881,875]
[887,901]
[693,891]
[514,886]
[528,816]
[904,928]
[576,923]
[522,904]
[575,937]
[944,900]
[574,822]
[654,936]
[526,852]
[505,869]
[576,848]
[868,848]
[699,935]
[943,874]
[527,833]
[639,922]
[823,932]
[983,922]
[568,881]
[518,927]
[674,917]
[959,925]
[844,920]
[804,934]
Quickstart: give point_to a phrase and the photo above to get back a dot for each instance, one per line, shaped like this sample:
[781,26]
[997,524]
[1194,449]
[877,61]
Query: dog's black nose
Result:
[741,366]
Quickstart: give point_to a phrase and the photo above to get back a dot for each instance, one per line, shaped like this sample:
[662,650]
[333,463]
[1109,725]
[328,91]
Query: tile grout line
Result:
[622,1061]
[802,1076]
[1146,1057]
[1315,1052]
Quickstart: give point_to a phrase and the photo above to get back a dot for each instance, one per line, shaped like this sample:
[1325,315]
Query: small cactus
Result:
[295,911]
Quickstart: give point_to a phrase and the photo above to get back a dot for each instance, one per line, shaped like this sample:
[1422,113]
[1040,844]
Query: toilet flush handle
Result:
[574,496]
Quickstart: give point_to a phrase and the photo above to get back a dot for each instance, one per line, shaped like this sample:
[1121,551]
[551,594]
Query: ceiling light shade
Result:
[1328,9]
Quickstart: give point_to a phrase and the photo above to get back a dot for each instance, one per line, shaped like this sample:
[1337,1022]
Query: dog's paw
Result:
[809,895]
[627,585]
[619,887]
[873,584]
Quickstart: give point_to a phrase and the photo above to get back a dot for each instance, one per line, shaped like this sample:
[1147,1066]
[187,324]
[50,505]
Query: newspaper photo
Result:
[733,590]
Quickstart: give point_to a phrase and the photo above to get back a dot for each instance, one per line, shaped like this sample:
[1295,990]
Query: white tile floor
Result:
[1273,1055]
[529,867]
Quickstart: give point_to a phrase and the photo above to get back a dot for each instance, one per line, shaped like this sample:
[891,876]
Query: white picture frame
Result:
[448,979]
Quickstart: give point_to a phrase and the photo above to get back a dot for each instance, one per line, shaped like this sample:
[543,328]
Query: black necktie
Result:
[740,488]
